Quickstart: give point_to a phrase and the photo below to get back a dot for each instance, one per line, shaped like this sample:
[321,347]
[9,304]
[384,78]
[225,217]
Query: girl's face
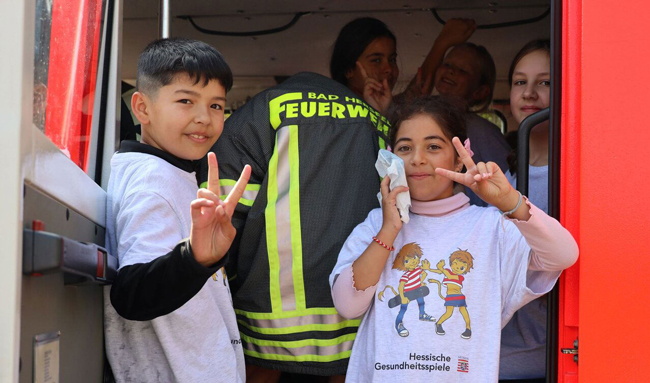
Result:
[379,59]
[423,146]
[531,85]
[459,74]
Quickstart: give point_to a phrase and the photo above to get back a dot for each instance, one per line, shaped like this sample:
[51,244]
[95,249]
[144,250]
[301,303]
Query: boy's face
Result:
[459,74]
[182,118]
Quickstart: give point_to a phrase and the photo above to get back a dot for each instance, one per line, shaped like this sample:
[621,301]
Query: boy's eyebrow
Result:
[196,94]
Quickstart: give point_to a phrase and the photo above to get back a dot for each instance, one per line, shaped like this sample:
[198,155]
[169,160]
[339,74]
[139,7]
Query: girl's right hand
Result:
[392,223]
[457,31]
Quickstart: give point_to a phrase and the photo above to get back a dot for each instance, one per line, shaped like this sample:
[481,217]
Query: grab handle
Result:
[523,150]
[80,262]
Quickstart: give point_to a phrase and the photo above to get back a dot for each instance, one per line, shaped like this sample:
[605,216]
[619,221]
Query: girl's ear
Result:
[349,73]
[480,94]
[140,107]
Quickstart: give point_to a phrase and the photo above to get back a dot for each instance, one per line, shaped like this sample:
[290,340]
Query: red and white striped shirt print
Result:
[411,279]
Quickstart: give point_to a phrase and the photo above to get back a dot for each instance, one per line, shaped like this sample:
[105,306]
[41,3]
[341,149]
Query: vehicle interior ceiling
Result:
[259,62]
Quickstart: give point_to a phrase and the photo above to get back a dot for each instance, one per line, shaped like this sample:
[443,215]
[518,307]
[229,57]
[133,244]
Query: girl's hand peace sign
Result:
[212,231]
[487,181]
[376,93]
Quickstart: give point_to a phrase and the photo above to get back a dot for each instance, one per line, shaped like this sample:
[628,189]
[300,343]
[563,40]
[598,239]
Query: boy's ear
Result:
[140,107]
[480,94]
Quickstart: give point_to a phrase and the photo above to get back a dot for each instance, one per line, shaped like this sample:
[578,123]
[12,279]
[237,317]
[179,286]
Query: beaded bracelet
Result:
[389,248]
[516,207]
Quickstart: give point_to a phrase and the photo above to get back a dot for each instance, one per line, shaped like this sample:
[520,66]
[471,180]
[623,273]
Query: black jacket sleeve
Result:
[145,291]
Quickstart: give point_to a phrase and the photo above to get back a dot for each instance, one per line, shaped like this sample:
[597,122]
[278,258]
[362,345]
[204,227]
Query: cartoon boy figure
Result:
[461,261]
[411,284]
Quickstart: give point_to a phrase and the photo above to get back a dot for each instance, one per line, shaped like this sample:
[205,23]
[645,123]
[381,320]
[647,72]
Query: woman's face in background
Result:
[531,85]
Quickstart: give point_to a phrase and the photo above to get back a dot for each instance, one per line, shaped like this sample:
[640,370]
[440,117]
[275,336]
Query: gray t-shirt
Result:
[148,213]
[498,284]
[523,340]
[537,185]
[488,144]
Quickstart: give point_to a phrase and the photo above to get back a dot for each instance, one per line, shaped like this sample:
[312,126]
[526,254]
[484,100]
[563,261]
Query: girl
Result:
[523,340]
[530,92]
[515,258]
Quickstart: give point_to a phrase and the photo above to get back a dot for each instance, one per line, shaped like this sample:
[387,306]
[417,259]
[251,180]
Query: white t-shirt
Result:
[148,213]
[498,284]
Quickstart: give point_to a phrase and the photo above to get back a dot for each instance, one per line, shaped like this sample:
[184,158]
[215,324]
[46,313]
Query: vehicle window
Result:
[65,73]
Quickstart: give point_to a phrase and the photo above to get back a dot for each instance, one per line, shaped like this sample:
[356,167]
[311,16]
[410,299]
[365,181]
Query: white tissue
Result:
[392,166]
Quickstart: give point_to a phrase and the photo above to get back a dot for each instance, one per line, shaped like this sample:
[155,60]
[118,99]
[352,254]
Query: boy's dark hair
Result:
[450,116]
[162,59]
[352,40]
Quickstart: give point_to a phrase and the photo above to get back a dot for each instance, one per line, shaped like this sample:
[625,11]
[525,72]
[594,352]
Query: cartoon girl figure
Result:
[411,284]
[461,261]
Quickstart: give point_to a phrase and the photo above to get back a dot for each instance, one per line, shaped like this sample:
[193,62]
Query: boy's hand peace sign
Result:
[486,180]
[212,231]
[376,93]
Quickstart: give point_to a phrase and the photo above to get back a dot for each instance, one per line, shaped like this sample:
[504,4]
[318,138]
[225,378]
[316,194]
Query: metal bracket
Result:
[80,262]
[572,351]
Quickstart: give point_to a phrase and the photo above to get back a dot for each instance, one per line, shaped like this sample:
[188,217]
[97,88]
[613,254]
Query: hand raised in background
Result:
[376,94]
[457,31]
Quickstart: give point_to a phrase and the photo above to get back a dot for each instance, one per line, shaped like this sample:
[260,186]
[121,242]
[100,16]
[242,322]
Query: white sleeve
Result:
[147,227]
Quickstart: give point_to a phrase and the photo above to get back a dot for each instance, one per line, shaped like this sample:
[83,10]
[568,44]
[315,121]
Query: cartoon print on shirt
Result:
[224,280]
[460,261]
[411,285]
[223,276]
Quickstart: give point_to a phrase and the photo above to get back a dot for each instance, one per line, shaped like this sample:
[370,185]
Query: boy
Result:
[180,102]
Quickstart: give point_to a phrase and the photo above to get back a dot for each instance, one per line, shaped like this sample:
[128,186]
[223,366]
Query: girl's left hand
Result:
[485,179]
[376,93]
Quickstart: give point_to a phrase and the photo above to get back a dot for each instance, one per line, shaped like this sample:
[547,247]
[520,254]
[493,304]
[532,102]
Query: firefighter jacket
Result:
[312,144]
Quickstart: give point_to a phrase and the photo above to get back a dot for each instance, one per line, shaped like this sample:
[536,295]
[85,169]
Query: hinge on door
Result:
[573,351]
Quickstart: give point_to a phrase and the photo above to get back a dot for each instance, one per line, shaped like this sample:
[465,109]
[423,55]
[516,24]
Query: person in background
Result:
[523,339]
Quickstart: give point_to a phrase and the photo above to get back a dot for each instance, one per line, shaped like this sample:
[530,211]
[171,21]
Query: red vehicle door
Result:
[604,189]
